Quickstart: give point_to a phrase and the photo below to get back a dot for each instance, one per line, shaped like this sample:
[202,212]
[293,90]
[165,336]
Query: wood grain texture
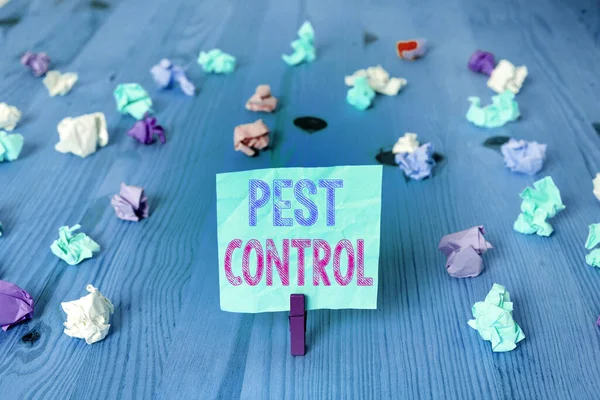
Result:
[169,338]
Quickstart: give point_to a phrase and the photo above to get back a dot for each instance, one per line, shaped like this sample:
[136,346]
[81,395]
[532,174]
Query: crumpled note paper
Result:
[596,183]
[418,164]
[361,94]
[593,258]
[10,146]
[262,100]
[304,49]
[216,61]
[463,251]
[9,117]
[494,320]
[132,99]
[379,80]
[89,317]
[357,218]
[507,77]
[37,62]
[165,74]
[406,144]
[539,203]
[58,83]
[131,204]
[411,49]
[503,109]
[82,135]
[482,61]
[524,157]
[71,248]
[145,130]
[248,138]
[593,236]
[16,305]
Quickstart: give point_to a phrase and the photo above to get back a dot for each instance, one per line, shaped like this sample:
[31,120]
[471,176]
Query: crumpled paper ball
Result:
[304,49]
[418,164]
[361,95]
[262,100]
[82,135]
[131,204]
[248,138]
[10,146]
[72,248]
[9,117]
[216,61]
[494,321]
[524,157]
[89,317]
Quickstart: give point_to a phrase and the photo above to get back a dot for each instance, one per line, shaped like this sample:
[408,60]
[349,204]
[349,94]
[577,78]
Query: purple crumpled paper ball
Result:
[38,62]
[131,204]
[145,129]
[16,305]
[482,61]
[524,157]
[165,74]
[418,164]
[463,251]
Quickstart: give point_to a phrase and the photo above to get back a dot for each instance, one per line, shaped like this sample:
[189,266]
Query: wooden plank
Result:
[169,337]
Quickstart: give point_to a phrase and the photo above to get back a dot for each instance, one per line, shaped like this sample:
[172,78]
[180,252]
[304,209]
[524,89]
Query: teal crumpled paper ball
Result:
[71,248]
[539,203]
[10,146]
[304,49]
[133,99]
[216,61]
[494,321]
[361,94]
[593,239]
[503,109]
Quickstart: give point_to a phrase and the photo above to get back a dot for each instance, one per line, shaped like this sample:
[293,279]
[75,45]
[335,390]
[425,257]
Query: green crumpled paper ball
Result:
[132,99]
[71,248]
[10,146]
[216,61]
[361,95]
[539,203]
[494,322]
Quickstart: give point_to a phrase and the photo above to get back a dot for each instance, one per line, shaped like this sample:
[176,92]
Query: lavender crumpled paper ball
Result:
[524,157]
[145,129]
[16,305]
[37,62]
[418,164]
[131,204]
[482,61]
[165,74]
[463,251]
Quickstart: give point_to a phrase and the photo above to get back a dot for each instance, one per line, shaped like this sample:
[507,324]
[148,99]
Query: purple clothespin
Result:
[298,324]
[144,130]
[38,63]
[482,61]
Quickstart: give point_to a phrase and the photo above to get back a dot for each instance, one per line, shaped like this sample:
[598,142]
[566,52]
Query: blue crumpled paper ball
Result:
[418,164]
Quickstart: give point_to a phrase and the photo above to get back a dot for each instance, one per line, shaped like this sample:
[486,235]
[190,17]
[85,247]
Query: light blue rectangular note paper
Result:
[313,231]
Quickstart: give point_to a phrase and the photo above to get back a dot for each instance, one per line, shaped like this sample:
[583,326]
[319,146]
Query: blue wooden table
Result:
[169,338]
